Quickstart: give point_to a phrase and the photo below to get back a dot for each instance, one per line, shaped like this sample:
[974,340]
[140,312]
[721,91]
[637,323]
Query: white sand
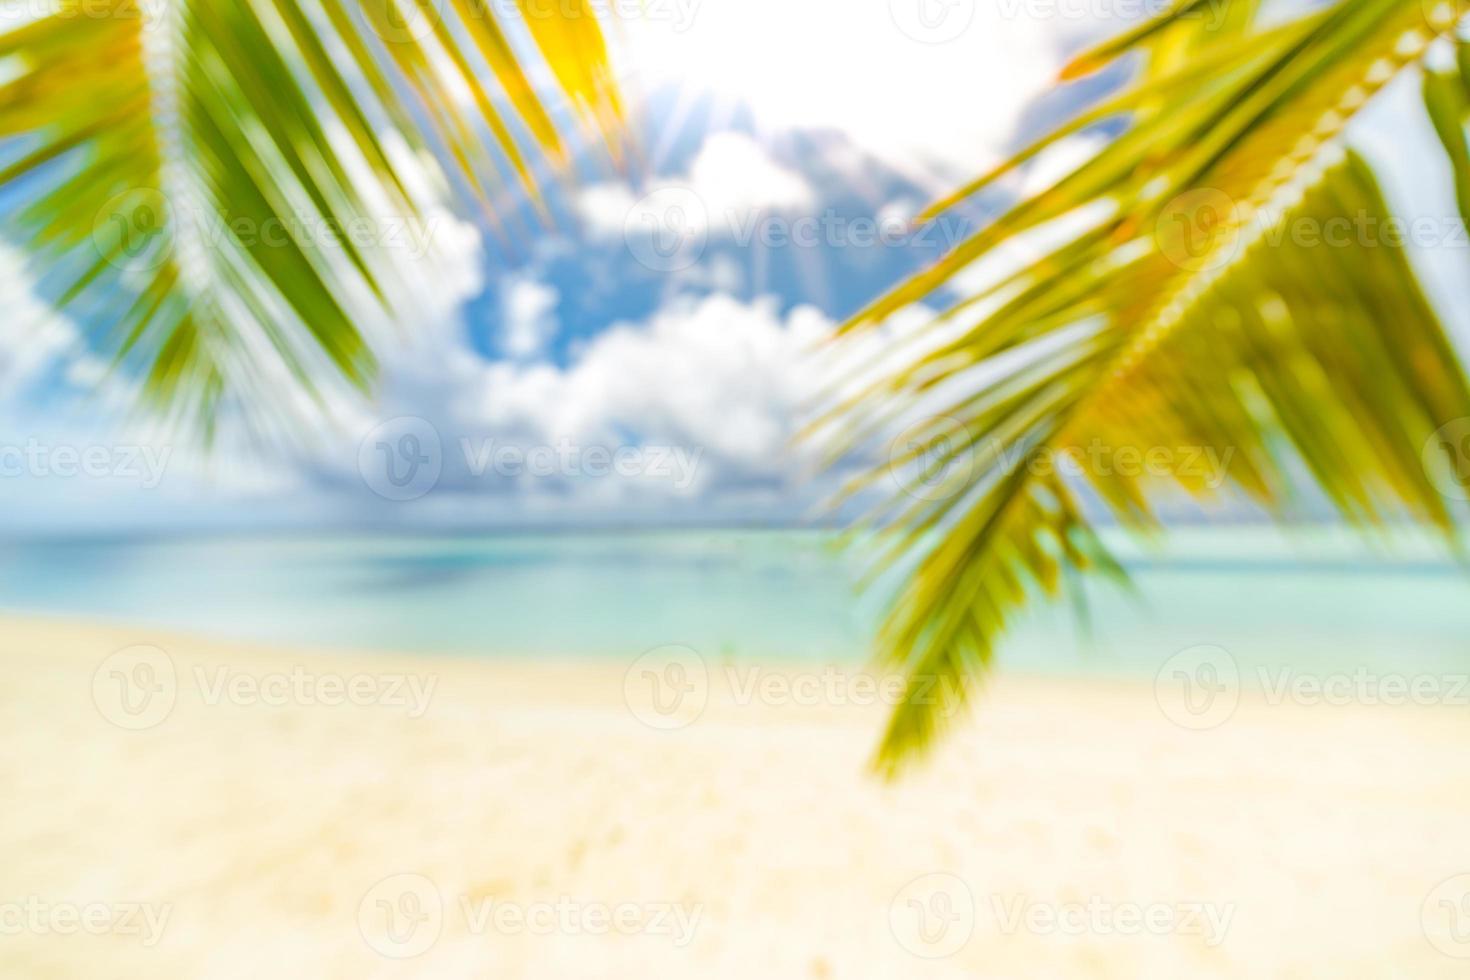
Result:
[1070,830]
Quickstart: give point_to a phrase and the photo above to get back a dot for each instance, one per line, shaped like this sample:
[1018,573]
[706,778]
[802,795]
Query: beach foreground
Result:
[231,811]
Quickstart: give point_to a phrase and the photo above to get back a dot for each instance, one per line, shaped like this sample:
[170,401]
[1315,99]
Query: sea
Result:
[1312,598]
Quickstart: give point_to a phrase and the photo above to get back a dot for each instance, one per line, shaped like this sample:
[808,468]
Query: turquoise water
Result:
[1312,598]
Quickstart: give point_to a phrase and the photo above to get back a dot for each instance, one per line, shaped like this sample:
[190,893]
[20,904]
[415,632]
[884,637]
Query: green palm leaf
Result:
[222,166]
[1177,308]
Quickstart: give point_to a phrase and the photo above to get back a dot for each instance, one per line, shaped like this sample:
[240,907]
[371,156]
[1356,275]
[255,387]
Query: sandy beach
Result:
[232,811]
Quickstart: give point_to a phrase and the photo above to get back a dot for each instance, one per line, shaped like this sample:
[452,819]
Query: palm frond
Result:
[1176,310]
[208,182]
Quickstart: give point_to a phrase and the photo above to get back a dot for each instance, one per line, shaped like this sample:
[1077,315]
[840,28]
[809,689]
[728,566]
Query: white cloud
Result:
[716,376]
[718,273]
[937,104]
[528,316]
[734,175]
[1058,161]
[32,336]
[603,207]
[267,459]
[731,179]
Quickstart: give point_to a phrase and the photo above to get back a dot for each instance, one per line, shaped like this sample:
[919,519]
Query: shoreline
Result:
[566,824]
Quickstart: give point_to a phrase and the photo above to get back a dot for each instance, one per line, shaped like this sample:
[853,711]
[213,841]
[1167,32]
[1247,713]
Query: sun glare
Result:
[932,107]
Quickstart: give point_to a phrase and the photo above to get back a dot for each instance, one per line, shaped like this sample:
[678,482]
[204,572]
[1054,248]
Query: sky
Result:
[648,357]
